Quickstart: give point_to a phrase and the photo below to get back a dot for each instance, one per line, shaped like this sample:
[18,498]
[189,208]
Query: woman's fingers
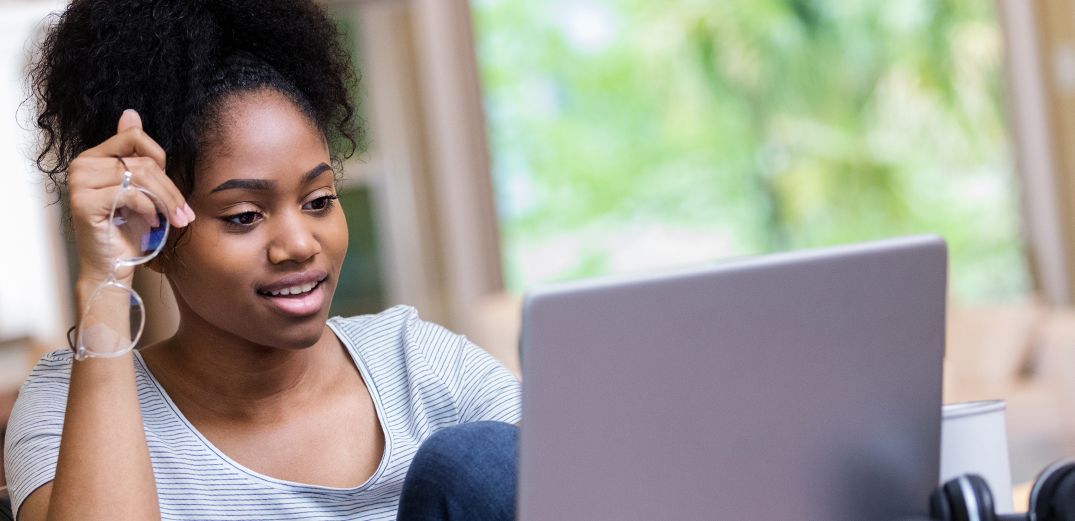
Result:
[94,173]
[145,174]
[95,206]
[130,140]
[139,203]
[129,118]
[95,181]
[104,235]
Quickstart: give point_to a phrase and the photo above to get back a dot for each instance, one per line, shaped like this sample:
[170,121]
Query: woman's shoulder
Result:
[42,399]
[50,378]
[397,324]
[387,328]
[52,369]
[393,316]
[398,330]
[59,357]
[442,368]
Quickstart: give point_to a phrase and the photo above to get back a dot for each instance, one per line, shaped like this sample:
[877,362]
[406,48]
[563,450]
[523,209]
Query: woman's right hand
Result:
[104,470]
[94,178]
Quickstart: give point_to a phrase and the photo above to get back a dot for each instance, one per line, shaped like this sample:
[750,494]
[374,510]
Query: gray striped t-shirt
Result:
[421,376]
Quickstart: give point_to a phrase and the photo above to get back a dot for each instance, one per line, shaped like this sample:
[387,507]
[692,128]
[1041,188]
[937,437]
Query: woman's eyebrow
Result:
[244,184]
[265,184]
[316,171]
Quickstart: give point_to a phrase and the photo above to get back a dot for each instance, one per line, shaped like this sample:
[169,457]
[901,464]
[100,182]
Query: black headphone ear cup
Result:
[1064,500]
[984,496]
[1053,496]
[940,508]
[965,498]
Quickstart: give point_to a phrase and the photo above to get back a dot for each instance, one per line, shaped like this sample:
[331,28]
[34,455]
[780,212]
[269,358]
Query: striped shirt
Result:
[421,377]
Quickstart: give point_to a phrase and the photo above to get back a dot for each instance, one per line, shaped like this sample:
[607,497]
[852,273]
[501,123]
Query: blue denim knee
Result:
[466,471]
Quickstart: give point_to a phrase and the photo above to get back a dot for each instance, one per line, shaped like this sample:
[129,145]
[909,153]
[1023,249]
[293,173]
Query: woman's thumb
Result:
[129,119]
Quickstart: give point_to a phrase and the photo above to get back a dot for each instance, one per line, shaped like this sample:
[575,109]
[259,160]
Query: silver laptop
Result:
[792,387]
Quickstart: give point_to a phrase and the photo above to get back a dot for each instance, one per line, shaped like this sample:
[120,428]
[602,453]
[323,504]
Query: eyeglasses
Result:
[115,315]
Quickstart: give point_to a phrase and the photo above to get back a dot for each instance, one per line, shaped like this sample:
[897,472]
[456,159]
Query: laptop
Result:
[792,387]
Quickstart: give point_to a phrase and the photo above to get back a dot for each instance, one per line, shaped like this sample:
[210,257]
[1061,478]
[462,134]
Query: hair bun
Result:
[163,57]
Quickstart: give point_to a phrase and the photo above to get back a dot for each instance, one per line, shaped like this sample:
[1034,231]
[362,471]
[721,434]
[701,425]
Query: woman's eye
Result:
[243,219]
[321,203]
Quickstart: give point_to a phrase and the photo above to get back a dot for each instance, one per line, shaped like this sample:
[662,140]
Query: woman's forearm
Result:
[104,470]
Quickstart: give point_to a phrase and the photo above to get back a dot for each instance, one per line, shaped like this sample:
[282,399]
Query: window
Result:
[630,135]
[361,288]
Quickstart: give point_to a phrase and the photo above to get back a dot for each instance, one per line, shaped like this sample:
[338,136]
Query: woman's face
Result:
[262,258]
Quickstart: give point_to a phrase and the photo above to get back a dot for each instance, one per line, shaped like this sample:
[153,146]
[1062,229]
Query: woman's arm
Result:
[104,470]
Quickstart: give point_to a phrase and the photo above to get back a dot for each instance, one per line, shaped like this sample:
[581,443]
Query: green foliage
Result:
[771,124]
[360,289]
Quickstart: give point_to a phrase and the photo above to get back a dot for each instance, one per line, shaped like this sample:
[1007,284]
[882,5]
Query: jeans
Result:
[465,472]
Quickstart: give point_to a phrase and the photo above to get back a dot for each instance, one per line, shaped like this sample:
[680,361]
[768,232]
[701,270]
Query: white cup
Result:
[974,440]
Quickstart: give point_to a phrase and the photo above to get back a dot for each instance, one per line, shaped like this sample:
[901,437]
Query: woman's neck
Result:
[209,372]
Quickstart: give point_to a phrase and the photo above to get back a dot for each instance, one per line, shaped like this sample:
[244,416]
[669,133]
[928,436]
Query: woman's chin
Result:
[303,341]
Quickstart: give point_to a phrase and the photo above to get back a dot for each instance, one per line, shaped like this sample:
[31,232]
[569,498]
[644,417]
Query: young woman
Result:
[225,118]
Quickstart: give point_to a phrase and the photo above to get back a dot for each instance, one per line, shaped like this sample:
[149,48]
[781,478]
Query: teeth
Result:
[294,290]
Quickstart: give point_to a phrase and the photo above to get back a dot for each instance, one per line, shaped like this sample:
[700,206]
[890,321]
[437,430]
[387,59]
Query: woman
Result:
[228,116]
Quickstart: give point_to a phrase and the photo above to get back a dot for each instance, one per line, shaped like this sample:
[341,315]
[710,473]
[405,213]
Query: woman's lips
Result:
[293,279]
[301,305]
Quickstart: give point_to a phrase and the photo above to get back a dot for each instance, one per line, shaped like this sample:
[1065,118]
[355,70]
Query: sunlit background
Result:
[515,143]
[633,134]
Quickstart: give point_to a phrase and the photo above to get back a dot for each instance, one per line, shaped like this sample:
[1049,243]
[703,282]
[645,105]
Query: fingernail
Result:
[189,211]
[180,217]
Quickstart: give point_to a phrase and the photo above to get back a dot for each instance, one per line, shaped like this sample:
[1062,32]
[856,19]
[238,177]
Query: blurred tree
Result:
[771,124]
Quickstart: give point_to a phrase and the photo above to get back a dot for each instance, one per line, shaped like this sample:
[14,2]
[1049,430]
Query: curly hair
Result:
[174,61]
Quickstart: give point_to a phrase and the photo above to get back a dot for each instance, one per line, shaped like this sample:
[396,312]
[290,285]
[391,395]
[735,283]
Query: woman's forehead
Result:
[260,121]
[260,134]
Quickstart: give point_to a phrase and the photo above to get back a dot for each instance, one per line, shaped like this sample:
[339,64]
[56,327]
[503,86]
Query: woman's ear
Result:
[158,264]
[155,265]
[164,261]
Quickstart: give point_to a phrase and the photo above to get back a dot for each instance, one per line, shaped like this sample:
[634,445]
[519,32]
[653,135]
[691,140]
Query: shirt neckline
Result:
[371,385]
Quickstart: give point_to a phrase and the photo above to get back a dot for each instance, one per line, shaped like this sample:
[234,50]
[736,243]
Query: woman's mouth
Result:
[300,300]
[297,290]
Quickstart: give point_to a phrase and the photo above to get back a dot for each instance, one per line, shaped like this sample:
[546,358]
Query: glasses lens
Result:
[112,322]
[140,226]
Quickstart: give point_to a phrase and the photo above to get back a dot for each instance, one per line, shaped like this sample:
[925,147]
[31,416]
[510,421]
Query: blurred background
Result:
[514,143]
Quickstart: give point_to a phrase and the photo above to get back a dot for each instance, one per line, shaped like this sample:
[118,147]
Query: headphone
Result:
[968,498]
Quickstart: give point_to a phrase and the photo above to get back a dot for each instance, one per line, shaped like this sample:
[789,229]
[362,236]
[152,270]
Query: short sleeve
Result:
[489,391]
[32,444]
[483,389]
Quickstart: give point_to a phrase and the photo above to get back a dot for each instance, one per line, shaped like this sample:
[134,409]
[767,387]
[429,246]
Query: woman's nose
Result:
[293,239]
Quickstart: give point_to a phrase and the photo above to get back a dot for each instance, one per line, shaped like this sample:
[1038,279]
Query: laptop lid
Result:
[799,387]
